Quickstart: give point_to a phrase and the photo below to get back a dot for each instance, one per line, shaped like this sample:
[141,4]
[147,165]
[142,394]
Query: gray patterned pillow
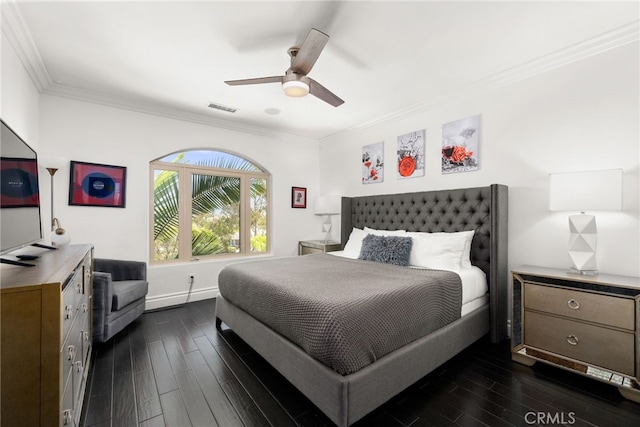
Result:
[387,249]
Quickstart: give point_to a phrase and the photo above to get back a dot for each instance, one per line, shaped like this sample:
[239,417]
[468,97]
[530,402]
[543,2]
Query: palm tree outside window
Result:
[208,204]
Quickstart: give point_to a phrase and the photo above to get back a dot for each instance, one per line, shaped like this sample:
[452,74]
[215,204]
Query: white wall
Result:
[583,116]
[94,133]
[19,98]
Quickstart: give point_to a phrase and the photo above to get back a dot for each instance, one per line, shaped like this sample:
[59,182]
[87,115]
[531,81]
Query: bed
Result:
[348,396]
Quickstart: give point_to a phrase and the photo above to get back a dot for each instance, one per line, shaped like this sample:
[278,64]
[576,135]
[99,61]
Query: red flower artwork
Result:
[406,166]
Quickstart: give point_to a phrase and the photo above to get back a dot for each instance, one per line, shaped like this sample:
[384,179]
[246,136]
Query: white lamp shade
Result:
[586,191]
[328,205]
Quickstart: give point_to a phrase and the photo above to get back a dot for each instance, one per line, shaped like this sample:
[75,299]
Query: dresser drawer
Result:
[71,298]
[597,308]
[607,348]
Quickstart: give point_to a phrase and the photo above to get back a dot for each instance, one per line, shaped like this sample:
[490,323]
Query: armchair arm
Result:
[121,269]
[102,302]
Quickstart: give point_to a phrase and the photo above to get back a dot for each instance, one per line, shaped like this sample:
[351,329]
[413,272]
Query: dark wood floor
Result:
[173,368]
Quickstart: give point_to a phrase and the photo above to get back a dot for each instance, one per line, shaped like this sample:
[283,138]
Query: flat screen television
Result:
[19,192]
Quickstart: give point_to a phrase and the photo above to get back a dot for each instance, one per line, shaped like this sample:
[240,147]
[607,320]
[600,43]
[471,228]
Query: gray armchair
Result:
[119,291]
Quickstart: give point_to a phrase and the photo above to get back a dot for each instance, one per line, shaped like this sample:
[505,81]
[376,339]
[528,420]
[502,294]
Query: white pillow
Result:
[444,251]
[354,244]
[384,232]
[466,253]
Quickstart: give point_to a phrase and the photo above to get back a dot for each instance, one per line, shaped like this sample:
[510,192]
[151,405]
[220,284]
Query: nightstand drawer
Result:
[317,246]
[305,250]
[603,309]
[596,345]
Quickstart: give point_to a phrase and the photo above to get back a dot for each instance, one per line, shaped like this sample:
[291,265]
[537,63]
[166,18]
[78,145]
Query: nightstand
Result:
[589,325]
[317,246]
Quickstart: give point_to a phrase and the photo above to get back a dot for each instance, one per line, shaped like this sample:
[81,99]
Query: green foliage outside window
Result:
[216,201]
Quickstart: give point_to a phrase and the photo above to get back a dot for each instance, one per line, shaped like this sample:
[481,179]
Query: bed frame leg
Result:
[218,324]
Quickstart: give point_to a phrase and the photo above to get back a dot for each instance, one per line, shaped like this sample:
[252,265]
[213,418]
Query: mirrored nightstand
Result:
[317,246]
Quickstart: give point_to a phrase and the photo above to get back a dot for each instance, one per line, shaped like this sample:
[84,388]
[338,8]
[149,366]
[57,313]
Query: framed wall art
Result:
[299,197]
[92,184]
[460,145]
[19,183]
[411,155]
[373,163]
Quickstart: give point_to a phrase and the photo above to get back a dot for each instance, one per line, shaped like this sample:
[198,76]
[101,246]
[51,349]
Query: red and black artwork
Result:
[19,188]
[93,184]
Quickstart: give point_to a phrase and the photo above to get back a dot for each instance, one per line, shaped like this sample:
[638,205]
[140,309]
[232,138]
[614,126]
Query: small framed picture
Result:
[92,184]
[299,197]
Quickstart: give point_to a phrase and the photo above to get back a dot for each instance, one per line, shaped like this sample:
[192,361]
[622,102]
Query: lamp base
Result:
[584,272]
[583,236]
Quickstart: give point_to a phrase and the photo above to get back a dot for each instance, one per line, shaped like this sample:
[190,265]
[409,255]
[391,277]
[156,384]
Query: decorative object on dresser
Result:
[581,192]
[306,247]
[119,288]
[327,206]
[46,338]
[584,324]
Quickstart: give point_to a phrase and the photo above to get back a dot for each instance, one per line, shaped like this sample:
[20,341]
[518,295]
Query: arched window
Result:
[208,204]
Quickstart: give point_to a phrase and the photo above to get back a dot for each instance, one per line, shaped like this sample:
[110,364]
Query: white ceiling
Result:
[384,59]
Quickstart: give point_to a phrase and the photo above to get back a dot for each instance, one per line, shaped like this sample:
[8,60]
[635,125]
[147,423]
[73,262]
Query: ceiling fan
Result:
[295,81]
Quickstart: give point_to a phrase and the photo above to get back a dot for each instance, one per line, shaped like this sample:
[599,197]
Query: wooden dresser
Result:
[46,338]
[586,324]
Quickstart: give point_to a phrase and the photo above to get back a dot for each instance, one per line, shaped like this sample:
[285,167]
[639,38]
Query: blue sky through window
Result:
[193,157]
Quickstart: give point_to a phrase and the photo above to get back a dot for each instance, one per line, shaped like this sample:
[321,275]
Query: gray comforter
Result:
[345,313]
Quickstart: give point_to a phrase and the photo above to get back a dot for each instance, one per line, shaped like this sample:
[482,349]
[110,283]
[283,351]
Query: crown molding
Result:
[17,33]
[613,39]
[100,98]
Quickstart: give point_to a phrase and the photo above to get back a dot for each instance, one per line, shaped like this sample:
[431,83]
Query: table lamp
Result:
[599,190]
[328,205]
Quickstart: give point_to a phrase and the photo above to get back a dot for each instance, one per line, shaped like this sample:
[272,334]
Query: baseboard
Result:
[178,298]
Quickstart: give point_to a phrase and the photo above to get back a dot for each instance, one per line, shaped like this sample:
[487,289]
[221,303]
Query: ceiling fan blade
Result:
[309,52]
[259,80]
[321,92]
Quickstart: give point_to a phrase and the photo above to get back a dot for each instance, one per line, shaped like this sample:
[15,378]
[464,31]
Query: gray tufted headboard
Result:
[484,209]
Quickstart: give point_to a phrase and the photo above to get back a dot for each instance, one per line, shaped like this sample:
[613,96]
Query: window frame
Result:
[185,172]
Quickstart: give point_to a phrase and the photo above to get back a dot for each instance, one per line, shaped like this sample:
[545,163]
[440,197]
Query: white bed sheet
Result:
[474,286]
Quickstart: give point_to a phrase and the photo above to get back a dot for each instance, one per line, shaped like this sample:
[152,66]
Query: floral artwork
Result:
[460,145]
[373,163]
[411,155]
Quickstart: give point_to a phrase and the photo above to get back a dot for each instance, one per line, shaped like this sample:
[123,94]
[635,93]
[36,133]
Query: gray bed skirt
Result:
[346,399]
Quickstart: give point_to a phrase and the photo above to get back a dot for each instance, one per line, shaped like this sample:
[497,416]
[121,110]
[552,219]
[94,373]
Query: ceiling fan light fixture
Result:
[295,88]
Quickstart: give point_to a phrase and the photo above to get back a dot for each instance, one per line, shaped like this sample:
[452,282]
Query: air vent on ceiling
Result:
[222,107]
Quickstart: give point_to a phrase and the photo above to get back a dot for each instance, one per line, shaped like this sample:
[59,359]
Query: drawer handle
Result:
[573,304]
[68,311]
[67,417]
[572,339]
[85,308]
[71,352]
